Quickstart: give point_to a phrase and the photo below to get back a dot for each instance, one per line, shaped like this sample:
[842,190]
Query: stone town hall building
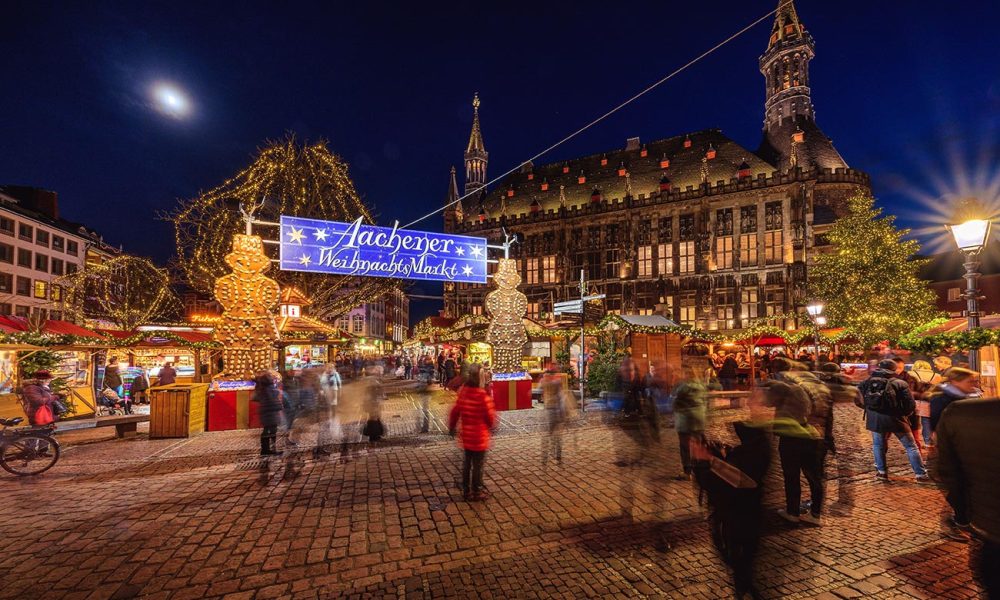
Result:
[712,232]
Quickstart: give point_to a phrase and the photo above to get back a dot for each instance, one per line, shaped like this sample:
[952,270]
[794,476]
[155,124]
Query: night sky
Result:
[908,91]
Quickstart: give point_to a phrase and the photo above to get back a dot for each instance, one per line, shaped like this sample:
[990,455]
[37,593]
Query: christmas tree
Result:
[870,281]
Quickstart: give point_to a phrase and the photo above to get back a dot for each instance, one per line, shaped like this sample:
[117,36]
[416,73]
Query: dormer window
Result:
[545,185]
[566,168]
[621,170]
[510,192]
[531,176]
[582,178]
[291,310]
[644,153]
[799,136]
[664,162]
[687,141]
[710,153]
[744,170]
[604,161]
[664,183]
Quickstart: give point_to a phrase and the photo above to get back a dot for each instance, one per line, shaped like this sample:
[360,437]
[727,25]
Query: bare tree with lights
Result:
[125,290]
[870,282]
[285,178]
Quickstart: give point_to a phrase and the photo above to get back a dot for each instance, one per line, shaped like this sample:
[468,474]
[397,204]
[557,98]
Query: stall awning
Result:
[962,324]
[159,339]
[11,324]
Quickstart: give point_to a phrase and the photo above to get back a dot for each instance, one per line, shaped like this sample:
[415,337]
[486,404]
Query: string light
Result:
[291,179]
[128,291]
[248,297]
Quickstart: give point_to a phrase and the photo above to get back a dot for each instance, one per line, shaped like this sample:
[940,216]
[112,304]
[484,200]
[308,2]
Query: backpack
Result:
[881,396]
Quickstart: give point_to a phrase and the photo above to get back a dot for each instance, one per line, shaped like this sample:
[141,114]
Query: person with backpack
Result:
[803,422]
[888,405]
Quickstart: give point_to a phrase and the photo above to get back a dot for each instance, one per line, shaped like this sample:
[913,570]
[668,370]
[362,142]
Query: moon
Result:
[171,100]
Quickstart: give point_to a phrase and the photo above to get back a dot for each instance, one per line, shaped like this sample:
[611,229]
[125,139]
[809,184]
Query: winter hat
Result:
[829,368]
[887,364]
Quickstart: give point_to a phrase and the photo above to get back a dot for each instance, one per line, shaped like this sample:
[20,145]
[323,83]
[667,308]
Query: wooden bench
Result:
[125,425]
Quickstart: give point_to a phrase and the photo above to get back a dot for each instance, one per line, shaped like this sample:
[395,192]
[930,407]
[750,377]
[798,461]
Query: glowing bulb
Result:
[170,100]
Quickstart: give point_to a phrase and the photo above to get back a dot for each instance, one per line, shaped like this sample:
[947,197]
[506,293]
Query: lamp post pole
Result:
[972,301]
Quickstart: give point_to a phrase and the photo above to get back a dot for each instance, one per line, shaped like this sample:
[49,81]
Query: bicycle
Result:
[27,450]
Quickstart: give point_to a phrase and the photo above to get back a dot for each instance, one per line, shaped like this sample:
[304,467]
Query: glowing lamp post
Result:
[971,237]
[815,310]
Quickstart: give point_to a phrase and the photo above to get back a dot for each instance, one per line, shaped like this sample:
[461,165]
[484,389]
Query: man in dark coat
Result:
[728,372]
[882,425]
[968,463]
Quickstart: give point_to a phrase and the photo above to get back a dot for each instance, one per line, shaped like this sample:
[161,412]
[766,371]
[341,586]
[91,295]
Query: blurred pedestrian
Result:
[629,385]
[968,463]
[803,422]
[38,400]
[113,377]
[475,414]
[728,372]
[554,399]
[690,415]
[916,391]
[888,405]
[926,378]
[140,387]
[269,400]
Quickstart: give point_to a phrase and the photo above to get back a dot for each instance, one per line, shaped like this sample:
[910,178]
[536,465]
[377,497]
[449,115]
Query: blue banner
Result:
[337,248]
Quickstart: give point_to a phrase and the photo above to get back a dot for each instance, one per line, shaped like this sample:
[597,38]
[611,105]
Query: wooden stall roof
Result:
[160,339]
[962,324]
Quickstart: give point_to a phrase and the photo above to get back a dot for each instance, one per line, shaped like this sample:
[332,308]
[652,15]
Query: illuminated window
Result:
[358,324]
[549,274]
[774,302]
[665,259]
[685,255]
[687,308]
[773,253]
[531,270]
[56,293]
[725,307]
[41,289]
[724,252]
[954,294]
[645,261]
[534,310]
[612,264]
[749,304]
[477,310]
[291,310]
[748,250]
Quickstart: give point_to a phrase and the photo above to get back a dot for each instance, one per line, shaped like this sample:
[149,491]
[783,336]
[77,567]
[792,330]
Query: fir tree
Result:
[870,281]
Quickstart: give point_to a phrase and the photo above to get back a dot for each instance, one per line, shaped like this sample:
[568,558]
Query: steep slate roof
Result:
[644,174]
[816,150]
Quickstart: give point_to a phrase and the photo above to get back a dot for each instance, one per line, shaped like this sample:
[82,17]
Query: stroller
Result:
[110,403]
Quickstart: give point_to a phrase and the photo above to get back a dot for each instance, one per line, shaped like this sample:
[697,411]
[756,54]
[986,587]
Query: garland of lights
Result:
[919,341]
[128,291]
[284,179]
[248,297]
[506,306]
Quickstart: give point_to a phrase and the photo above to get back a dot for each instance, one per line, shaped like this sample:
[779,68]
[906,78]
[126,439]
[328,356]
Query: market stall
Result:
[66,349]
[305,341]
[946,343]
[189,352]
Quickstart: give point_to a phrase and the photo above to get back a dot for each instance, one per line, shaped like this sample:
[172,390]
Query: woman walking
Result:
[268,397]
[474,409]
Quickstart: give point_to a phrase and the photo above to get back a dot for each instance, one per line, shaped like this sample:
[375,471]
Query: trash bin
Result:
[177,410]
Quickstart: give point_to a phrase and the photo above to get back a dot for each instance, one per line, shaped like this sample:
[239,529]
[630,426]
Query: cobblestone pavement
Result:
[207,518]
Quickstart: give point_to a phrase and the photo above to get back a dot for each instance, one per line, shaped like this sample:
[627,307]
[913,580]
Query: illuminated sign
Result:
[337,248]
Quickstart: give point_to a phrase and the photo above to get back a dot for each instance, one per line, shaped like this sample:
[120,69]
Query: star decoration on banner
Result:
[466,270]
[296,235]
[476,250]
[320,235]
[305,260]
[460,251]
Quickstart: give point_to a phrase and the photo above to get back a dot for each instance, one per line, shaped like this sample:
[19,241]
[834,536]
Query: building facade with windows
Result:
[696,223]
[36,248]
[380,327]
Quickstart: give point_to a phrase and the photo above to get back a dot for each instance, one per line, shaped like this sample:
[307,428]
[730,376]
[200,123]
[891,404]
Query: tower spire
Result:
[476,156]
[453,214]
[789,115]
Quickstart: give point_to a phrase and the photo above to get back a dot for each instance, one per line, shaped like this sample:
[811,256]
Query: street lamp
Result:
[815,310]
[971,237]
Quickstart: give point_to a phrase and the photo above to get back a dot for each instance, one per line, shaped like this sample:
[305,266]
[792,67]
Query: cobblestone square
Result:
[207,518]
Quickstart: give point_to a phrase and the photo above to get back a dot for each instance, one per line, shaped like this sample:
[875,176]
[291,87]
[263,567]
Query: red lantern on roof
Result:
[664,162]
[687,141]
[565,167]
[621,170]
[545,185]
[582,178]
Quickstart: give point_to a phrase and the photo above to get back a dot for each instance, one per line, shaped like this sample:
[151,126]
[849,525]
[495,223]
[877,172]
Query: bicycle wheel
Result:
[30,454]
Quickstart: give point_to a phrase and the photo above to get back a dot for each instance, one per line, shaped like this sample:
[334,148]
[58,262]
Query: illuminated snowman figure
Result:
[248,297]
[506,306]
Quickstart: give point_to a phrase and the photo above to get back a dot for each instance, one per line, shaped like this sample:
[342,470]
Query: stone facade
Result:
[714,233]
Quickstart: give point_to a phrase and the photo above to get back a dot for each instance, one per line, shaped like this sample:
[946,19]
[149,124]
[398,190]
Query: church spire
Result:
[791,137]
[453,213]
[476,156]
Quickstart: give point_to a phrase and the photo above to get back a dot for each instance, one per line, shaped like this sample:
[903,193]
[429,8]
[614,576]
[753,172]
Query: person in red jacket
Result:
[474,409]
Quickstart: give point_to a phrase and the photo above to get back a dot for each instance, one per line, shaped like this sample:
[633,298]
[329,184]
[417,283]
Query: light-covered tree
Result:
[870,281]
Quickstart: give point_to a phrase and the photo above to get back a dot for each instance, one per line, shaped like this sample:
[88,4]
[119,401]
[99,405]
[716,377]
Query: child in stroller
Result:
[110,403]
